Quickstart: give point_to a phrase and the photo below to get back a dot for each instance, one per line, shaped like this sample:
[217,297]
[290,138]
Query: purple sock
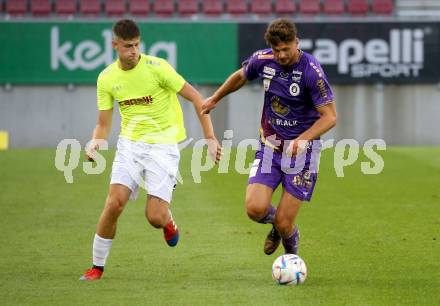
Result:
[291,243]
[270,215]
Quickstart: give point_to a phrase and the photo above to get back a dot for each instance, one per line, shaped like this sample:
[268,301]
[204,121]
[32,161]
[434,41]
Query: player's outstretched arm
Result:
[234,82]
[101,131]
[191,94]
[326,121]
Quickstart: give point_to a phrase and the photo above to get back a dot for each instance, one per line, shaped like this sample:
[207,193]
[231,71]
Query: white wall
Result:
[41,116]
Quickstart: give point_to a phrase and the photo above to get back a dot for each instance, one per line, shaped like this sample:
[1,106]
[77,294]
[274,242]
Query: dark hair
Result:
[280,30]
[126,29]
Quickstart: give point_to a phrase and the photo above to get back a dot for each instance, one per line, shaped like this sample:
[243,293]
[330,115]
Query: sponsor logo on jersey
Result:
[147,100]
[278,107]
[296,76]
[322,89]
[266,84]
[282,122]
[284,76]
[316,69]
[269,70]
[265,56]
[259,52]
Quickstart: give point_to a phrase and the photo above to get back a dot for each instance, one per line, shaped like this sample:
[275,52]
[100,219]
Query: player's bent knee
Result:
[255,209]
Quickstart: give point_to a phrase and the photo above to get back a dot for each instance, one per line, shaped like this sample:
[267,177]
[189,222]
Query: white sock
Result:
[171,216]
[101,248]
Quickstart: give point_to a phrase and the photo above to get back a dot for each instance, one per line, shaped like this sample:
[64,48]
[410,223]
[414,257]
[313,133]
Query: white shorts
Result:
[151,166]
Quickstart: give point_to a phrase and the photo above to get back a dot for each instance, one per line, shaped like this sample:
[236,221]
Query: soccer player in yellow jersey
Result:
[144,87]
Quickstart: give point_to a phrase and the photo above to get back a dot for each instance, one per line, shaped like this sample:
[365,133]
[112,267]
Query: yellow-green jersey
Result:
[146,95]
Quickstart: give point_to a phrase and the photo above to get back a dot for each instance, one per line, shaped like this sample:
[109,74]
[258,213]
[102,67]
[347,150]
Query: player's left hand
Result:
[296,147]
[214,149]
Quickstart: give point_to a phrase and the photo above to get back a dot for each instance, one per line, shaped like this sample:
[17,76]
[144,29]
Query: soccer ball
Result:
[289,269]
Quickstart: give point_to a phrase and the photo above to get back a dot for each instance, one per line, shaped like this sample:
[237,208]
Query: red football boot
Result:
[171,233]
[91,274]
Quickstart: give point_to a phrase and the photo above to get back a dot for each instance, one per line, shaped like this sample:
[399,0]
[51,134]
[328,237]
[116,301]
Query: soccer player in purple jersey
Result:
[298,108]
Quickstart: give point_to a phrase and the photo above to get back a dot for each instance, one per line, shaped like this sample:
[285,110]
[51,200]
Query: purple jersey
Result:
[292,93]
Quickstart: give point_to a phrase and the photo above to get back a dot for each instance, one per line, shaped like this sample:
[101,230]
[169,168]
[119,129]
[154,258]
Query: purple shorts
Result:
[298,174]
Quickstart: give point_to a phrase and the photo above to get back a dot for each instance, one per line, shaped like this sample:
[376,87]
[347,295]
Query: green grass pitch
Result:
[366,239]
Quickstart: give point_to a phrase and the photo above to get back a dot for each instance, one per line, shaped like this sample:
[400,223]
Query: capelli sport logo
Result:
[400,55]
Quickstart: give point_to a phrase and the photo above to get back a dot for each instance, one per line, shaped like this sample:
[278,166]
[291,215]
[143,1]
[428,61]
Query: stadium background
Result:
[367,239]
[52,55]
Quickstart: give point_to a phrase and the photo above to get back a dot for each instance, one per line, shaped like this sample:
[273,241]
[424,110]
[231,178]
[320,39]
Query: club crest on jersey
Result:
[294,89]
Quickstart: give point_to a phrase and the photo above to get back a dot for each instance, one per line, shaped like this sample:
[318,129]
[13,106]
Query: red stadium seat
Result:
[163,7]
[309,7]
[41,7]
[213,7]
[237,7]
[357,7]
[285,7]
[333,7]
[188,7]
[65,7]
[382,7]
[261,7]
[90,7]
[16,7]
[115,7]
[139,7]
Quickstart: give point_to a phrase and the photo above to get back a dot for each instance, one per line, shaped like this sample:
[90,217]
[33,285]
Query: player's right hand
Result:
[91,150]
[208,105]
[296,147]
